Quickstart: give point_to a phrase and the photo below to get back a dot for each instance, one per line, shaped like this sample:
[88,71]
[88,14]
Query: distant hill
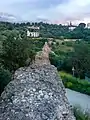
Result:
[5,17]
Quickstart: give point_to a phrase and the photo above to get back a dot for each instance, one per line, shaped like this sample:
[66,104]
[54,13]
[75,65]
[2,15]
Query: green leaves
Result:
[13,55]
[74,83]
[80,114]
[5,78]
[81,58]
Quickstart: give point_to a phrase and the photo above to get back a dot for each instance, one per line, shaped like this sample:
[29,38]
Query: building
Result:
[33,31]
[71,26]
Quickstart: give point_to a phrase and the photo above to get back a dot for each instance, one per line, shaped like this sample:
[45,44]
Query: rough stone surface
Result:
[42,57]
[36,93]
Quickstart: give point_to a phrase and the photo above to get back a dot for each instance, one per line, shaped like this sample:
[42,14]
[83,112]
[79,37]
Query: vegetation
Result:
[17,50]
[16,53]
[5,77]
[80,114]
[74,83]
[49,30]
[72,54]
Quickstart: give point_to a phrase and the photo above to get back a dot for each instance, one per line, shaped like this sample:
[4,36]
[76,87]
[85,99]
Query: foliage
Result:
[61,57]
[81,58]
[49,30]
[55,60]
[72,54]
[16,53]
[5,78]
[17,50]
[80,115]
[13,53]
[74,83]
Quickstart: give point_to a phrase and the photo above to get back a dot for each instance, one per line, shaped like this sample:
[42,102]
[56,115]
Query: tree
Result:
[5,78]
[82,25]
[81,58]
[13,54]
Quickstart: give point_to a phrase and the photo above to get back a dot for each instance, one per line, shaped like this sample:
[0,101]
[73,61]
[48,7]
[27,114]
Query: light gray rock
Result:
[36,93]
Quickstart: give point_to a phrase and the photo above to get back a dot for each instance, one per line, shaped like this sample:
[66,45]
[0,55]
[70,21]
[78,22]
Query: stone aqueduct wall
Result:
[36,93]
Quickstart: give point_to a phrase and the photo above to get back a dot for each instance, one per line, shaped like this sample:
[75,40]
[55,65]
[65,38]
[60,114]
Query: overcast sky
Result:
[56,11]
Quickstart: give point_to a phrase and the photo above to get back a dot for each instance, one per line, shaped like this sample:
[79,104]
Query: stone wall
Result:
[42,57]
[36,93]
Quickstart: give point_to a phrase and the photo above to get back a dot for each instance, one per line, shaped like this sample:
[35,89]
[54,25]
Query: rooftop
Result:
[33,27]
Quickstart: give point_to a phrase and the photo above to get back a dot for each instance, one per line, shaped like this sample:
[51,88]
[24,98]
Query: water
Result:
[76,98]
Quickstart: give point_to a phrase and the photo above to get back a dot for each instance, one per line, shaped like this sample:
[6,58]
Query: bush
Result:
[55,60]
[76,84]
[80,115]
[69,85]
[16,51]
[5,78]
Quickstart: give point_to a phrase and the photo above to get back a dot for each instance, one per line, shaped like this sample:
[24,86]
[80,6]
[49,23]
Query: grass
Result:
[63,46]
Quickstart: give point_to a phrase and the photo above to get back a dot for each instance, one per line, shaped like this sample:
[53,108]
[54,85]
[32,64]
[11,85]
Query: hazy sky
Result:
[53,10]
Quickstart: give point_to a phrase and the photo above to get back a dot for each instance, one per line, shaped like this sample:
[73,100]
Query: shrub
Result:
[74,83]
[5,78]
[80,115]
[69,84]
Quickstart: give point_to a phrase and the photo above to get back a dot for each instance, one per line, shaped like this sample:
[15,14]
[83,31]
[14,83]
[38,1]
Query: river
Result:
[76,98]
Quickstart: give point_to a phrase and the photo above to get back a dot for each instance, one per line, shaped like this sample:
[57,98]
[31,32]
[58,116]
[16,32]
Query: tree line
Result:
[17,50]
[49,30]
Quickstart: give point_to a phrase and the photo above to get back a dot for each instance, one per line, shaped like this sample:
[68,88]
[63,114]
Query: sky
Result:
[55,11]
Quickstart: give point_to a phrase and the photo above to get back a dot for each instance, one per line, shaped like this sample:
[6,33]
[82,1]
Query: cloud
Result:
[53,10]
